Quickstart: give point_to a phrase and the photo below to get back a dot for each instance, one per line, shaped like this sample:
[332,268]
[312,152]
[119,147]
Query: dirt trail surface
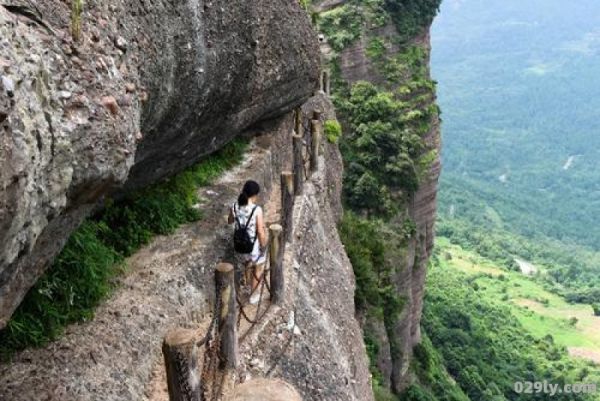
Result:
[585,353]
[169,283]
[527,268]
[265,390]
[312,341]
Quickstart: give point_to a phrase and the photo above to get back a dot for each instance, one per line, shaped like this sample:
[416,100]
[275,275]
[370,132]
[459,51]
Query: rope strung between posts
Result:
[308,133]
[212,386]
[212,342]
[306,126]
[307,140]
[263,284]
[213,322]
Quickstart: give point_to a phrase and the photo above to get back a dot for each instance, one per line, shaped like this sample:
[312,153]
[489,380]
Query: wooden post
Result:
[287,203]
[181,361]
[327,79]
[298,123]
[317,114]
[315,127]
[298,145]
[228,351]
[322,82]
[276,270]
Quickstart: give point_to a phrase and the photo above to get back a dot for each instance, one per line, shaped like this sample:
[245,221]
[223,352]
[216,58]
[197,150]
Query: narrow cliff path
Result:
[312,341]
[168,283]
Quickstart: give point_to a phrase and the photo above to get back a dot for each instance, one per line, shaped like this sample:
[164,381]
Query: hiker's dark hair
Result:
[251,188]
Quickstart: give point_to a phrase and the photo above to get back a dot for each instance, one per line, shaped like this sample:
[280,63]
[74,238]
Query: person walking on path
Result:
[250,236]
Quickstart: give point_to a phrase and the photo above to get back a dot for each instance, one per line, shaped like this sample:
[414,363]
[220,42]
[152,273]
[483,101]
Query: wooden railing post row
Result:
[298,165]
[276,278]
[298,122]
[228,350]
[298,153]
[180,351]
[287,204]
[322,82]
[315,128]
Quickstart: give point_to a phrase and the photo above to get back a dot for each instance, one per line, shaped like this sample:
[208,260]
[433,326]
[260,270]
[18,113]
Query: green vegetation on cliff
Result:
[412,16]
[433,381]
[86,270]
[345,24]
[342,25]
[385,156]
[373,249]
[383,149]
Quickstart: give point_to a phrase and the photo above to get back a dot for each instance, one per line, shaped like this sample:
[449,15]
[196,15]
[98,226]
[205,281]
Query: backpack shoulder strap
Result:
[235,216]
[250,217]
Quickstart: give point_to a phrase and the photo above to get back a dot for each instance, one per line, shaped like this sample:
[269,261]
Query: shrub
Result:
[383,394]
[382,152]
[79,278]
[412,16]
[305,4]
[375,49]
[416,393]
[341,25]
[333,130]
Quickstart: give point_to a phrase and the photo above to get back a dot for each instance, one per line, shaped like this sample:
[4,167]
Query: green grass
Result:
[540,311]
[473,321]
[86,270]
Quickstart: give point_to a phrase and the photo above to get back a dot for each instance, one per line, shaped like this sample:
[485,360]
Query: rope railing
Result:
[186,381]
[307,139]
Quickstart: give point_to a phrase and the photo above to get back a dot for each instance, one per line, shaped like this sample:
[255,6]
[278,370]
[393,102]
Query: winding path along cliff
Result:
[311,340]
[150,88]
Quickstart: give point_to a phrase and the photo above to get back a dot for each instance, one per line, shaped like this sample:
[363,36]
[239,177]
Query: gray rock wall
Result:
[151,87]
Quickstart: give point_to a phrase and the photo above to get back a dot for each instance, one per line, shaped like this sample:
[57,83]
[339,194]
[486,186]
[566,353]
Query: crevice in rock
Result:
[30,12]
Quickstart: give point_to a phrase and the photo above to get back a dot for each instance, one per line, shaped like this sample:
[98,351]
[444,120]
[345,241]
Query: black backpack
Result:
[242,243]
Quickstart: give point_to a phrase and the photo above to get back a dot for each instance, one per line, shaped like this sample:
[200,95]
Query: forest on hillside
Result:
[520,93]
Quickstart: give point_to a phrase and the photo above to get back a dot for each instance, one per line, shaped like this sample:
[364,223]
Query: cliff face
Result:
[354,63]
[149,89]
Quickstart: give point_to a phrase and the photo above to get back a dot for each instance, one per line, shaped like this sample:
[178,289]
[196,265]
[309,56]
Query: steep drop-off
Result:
[149,89]
[387,44]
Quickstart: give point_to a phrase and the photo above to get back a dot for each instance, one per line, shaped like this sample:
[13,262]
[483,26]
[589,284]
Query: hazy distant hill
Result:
[519,88]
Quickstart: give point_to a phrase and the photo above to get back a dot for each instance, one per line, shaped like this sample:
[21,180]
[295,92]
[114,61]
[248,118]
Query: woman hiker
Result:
[250,236]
